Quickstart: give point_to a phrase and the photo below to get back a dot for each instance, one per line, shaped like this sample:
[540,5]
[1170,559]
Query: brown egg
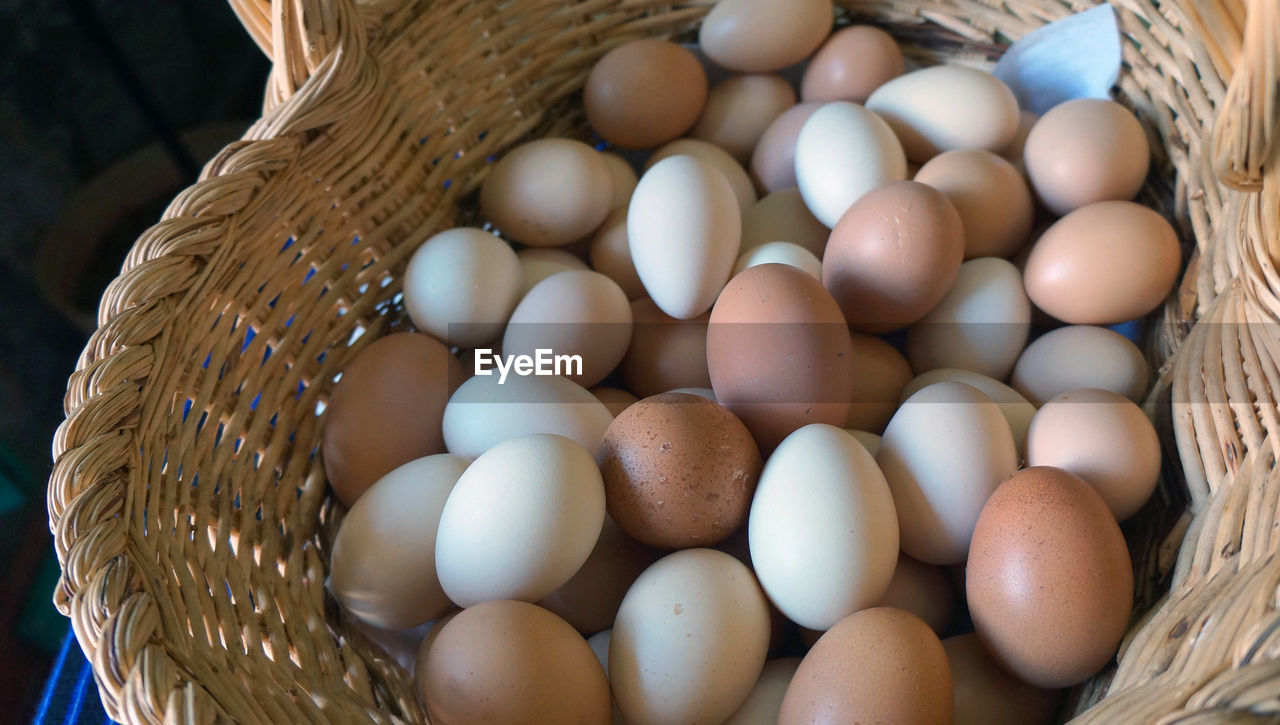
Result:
[506,661]
[878,665]
[851,64]
[880,375]
[679,471]
[993,200]
[435,627]
[665,353]
[773,162]
[615,399]
[1049,582]
[783,217]
[610,254]
[537,263]
[644,93]
[924,590]
[386,410]
[1102,437]
[717,158]
[1080,356]
[893,256]
[985,694]
[759,36]
[1084,151]
[740,108]
[589,601]
[1108,262]
[519,202]
[1013,152]
[779,353]
[624,179]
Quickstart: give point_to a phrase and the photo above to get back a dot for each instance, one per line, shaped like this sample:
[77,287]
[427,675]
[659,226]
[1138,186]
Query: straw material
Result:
[187,500]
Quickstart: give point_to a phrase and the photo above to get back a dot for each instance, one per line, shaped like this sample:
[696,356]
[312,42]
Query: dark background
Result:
[107,109]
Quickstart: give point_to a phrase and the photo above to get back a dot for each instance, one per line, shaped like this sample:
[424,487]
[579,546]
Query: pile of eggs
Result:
[807,467]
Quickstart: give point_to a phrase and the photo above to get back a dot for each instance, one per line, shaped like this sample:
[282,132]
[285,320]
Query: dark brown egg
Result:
[645,93]
[589,601]
[665,353]
[679,471]
[1049,581]
[985,694]
[386,410]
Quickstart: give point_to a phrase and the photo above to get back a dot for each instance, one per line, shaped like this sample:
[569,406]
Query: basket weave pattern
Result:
[187,499]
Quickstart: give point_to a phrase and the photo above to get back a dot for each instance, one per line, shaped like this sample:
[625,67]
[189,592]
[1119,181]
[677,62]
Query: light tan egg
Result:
[773,162]
[519,202]
[994,202]
[610,254]
[1086,150]
[717,158]
[759,36]
[783,217]
[947,107]
[852,63]
[740,108]
[536,264]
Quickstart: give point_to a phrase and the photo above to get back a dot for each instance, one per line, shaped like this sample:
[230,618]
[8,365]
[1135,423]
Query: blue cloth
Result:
[70,696]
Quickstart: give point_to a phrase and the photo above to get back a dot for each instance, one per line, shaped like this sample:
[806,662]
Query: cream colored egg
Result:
[484,412]
[1017,410]
[947,107]
[684,227]
[783,217]
[1080,356]
[843,151]
[822,528]
[762,705]
[536,264]
[780,253]
[717,158]
[944,452]
[520,521]
[461,286]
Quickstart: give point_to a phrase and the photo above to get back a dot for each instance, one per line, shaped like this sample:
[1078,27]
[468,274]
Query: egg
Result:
[461,286]
[582,313]
[944,452]
[485,412]
[783,217]
[844,151]
[773,161]
[822,530]
[893,256]
[644,93]
[758,36]
[947,107]
[762,705]
[520,521]
[519,202]
[980,325]
[691,608]
[870,441]
[717,158]
[665,353]
[624,179]
[385,410]
[1104,438]
[543,669]
[679,471]
[780,253]
[700,392]
[589,600]
[994,202]
[985,694]
[610,254]
[779,353]
[740,108]
[1013,152]
[538,263]
[615,399]
[383,567]
[1080,356]
[923,590]
[424,648]
[881,372]
[1017,410]
[880,665]
[852,63]
[1084,151]
[599,643]
[1104,263]
[684,227]
[1049,582]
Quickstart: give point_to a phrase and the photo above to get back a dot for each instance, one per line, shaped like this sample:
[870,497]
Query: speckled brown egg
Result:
[507,661]
[679,471]
[851,64]
[665,353]
[779,353]
[386,410]
[644,93]
[986,694]
[880,375]
[1049,581]
[893,256]
[879,665]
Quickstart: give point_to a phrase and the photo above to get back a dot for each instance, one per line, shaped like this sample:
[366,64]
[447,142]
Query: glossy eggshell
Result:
[756,36]
[507,661]
[877,665]
[1049,582]
[386,410]
[783,217]
[538,263]
[893,256]
[1017,410]
[1080,356]
[461,286]
[484,412]
[589,601]
[947,107]
[610,254]
[715,157]
[944,452]
[1104,263]
[773,161]
[780,253]
[520,521]
[691,608]
[665,353]
[844,151]
[852,63]
[644,93]
[991,196]
[986,694]
[740,108]
[1086,150]
[679,471]
[762,705]
[880,373]
[779,353]
[519,202]
[924,590]
[823,532]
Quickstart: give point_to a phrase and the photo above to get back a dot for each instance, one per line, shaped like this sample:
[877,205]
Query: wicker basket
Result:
[188,504]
